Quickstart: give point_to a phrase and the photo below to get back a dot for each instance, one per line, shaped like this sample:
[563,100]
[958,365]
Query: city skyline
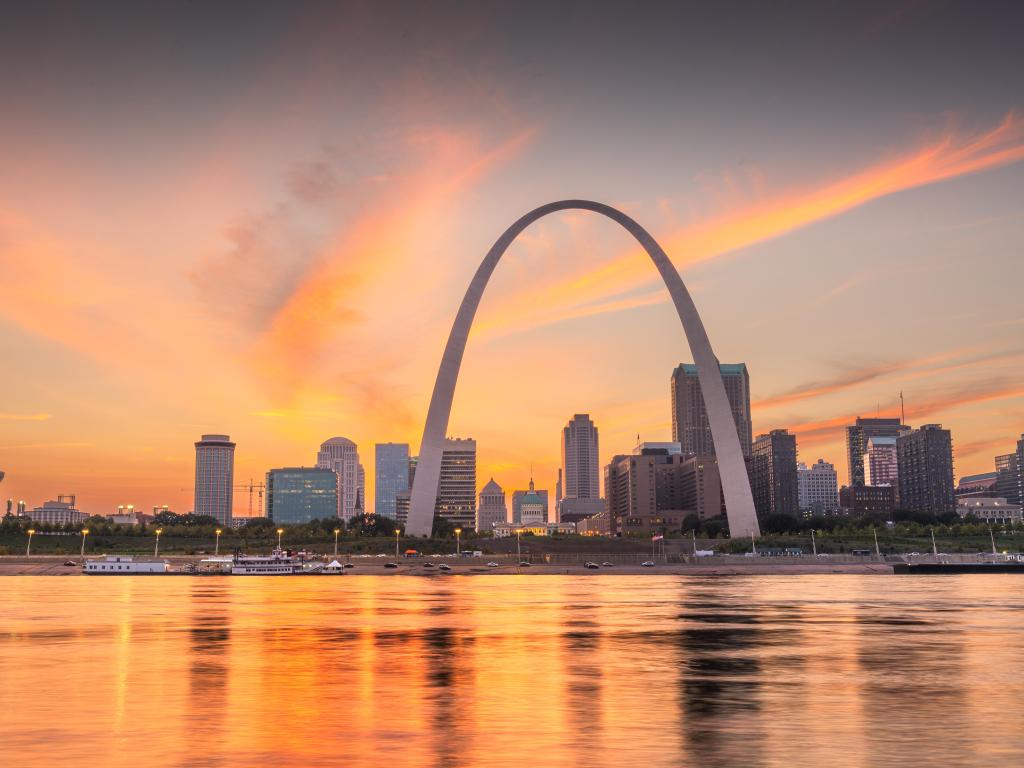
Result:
[265,307]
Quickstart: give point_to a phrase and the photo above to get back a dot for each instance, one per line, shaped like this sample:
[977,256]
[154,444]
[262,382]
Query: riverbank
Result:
[55,566]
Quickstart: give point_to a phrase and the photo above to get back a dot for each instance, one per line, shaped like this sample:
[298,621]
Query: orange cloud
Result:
[813,432]
[948,157]
[856,377]
[24,416]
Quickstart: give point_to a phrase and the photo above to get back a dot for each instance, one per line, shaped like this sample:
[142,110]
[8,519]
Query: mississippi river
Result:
[836,670]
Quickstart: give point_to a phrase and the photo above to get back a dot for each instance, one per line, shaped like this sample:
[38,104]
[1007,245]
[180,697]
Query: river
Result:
[833,670]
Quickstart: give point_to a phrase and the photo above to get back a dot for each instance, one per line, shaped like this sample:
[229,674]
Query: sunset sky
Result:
[259,220]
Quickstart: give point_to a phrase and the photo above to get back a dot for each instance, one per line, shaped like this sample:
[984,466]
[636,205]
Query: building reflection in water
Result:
[504,671]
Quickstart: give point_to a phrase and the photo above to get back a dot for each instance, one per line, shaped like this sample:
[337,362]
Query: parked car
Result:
[606,564]
[444,567]
[593,566]
[390,565]
[492,564]
[524,564]
[70,563]
[428,565]
[349,565]
[647,564]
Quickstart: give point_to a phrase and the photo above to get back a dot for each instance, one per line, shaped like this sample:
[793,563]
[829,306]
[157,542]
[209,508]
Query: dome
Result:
[339,441]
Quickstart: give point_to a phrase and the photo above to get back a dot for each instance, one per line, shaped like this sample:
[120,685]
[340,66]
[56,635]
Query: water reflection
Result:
[512,670]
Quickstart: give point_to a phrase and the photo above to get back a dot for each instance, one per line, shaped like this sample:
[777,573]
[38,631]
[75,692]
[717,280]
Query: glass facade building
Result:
[391,476]
[301,494]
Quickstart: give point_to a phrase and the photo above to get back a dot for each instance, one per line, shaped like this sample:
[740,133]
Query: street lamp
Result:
[519,557]
[279,532]
[156,547]
[216,543]
[397,532]
[85,532]
[28,549]
[458,542]
[336,532]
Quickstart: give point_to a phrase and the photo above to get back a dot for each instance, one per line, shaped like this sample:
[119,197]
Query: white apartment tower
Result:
[342,455]
[817,488]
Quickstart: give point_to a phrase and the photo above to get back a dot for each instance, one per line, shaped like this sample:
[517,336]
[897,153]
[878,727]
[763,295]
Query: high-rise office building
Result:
[492,507]
[690,426]
[215,478]
[456,488]
[391,476]
[926,470]
[773,477]
[857,437]
[301,494]
[581,478]
[644,493]
[342,455]
[818,488]
[1009,482]
[880,464]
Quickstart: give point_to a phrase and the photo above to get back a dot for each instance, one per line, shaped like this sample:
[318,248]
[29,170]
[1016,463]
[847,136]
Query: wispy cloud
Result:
[43,446]
[932,365]
[25,416]
[826,430]
[747,222]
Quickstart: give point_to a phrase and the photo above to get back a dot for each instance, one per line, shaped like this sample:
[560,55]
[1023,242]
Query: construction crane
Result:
[252,486]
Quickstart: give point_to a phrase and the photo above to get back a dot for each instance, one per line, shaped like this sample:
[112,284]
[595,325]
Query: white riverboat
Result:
[124,565]
[278,563]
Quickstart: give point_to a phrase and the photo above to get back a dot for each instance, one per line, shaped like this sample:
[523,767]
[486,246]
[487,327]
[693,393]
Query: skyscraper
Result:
[342,455]
[301,494]
[492,507]
[1010,475]
[391,475]
[857,437]
[215,478]
[581,478]
[690,427]
[773,477]
[926,470]
[456,489]
[880,464]
[818,487]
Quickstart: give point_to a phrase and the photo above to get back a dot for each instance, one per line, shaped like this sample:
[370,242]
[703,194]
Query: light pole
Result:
[336,532]
[935,549]
[31,533]
[991,535]
[878,552]
[814,544]
[397,532]
[458,542]
[280,531]
[156,547]
[85,532]
[216,543]
[519,556]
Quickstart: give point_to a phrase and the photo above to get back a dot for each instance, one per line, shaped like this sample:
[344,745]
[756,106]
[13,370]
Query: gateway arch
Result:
[735,483]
